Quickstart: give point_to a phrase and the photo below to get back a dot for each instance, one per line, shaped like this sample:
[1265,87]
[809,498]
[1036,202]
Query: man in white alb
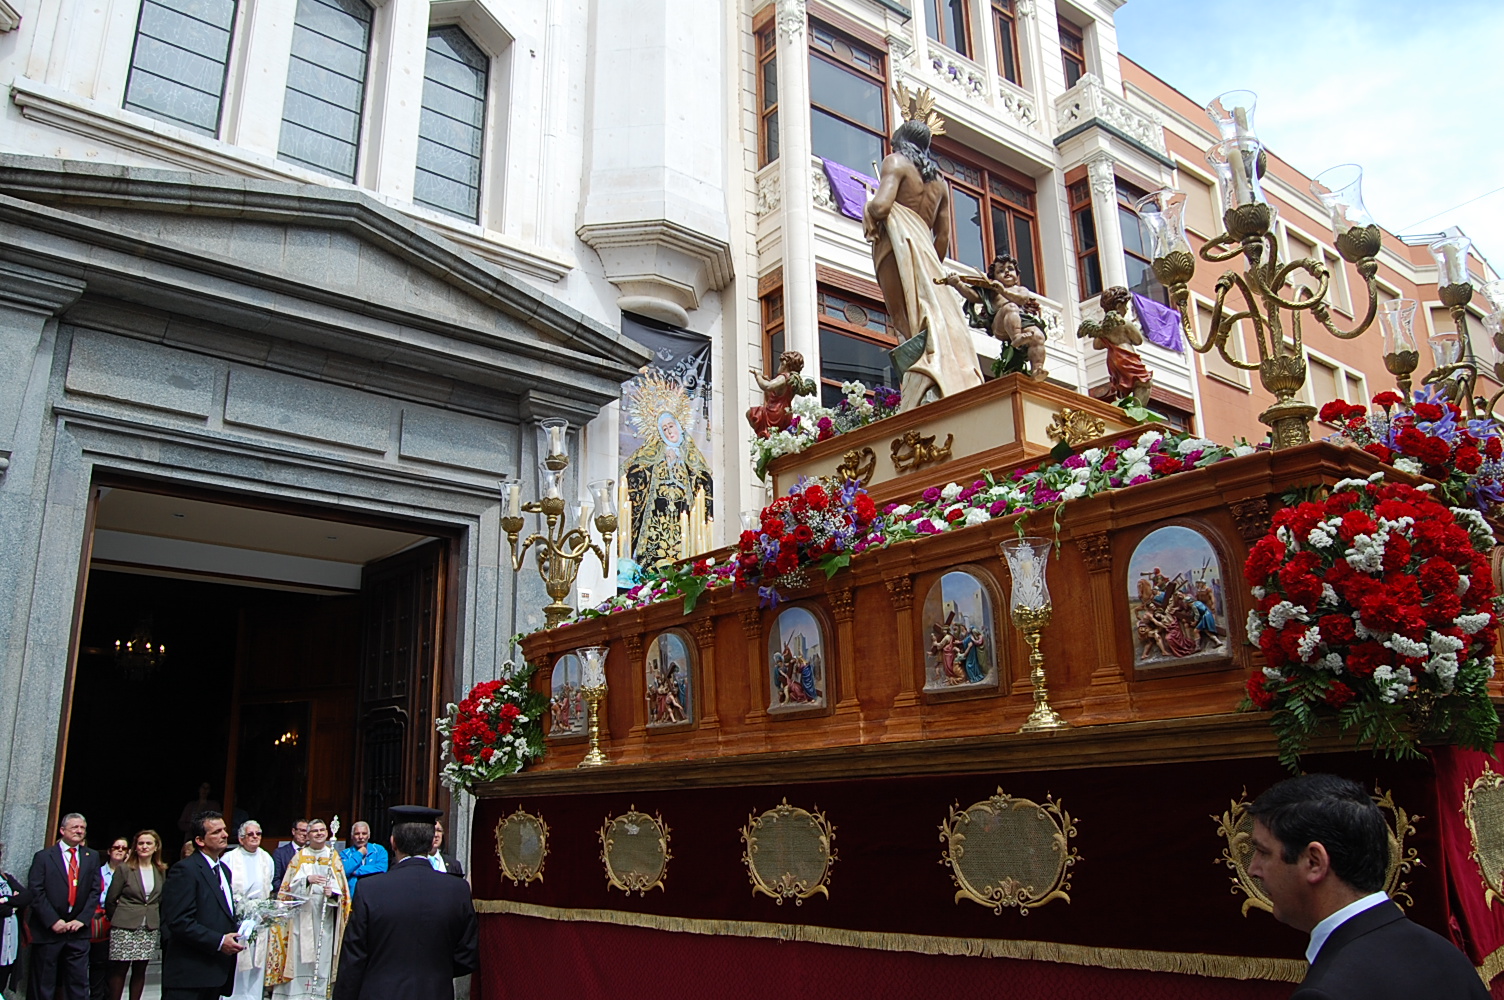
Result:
[251,868]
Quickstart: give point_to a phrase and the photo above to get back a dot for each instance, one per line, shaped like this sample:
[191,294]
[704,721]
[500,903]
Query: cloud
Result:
[1404,90]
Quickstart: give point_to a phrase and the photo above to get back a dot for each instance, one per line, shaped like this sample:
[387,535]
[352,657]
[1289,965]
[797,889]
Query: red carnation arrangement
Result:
[1376,607]
[493,731]
[816,524]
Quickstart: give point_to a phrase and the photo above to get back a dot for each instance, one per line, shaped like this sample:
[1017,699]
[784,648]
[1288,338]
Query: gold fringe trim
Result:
[1287,970]
[1492,966]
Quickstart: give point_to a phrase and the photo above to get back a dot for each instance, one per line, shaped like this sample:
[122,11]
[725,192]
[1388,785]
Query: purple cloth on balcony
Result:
[849,188]
[1160,323]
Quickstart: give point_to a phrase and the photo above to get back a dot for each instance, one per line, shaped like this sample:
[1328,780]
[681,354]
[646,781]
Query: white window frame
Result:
[1237,347]
[497,42]
[1344,371]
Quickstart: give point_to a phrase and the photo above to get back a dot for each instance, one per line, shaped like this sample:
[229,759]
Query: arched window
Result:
[452,131]
[179,60]
[326,86]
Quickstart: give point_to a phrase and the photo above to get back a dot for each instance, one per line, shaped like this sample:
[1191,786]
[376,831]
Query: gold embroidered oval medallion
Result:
[634,849]
[521,846]
[789,853]
[1010,852]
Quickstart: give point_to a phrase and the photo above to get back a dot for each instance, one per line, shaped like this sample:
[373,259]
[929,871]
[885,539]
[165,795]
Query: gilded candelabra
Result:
[1027,560]
[593,688]
[561,548]
[1265,284]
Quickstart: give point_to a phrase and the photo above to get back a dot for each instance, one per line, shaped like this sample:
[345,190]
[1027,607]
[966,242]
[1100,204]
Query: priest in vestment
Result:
[251,877]
[304,954]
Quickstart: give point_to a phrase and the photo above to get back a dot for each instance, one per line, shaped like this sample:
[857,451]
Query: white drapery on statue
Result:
[949,362]
[251,879]
[304,953]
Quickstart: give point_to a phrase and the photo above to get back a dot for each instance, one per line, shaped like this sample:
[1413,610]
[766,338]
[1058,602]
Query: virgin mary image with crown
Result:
[665,472]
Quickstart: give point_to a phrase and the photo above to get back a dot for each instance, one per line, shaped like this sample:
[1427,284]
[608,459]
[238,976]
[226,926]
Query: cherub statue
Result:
[777,409]
[1119,335]
[1006,308]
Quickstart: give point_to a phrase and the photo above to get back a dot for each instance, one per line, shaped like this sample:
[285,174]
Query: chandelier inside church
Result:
[138,657]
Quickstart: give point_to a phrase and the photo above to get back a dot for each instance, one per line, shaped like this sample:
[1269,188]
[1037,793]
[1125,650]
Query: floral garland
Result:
[1128,462]
[1429,438]
[492,732]
[813,422]
[1375,607]
[812,526]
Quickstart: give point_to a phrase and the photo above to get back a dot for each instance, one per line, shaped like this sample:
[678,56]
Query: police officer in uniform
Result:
[413,929]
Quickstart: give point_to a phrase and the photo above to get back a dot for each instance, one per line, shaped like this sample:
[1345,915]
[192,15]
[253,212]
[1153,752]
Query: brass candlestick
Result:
[1455,375]
[593,687]
[1239,160]
[596,756]
[561,549]
[1044,718]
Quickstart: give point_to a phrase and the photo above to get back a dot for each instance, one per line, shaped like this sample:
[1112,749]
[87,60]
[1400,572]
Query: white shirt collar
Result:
[1323,930]
[65,847]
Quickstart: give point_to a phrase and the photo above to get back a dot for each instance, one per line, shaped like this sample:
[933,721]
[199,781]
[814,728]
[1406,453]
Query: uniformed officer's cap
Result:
[413,814]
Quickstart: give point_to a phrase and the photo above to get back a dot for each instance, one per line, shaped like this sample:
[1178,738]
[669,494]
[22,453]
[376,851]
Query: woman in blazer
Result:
[135,917]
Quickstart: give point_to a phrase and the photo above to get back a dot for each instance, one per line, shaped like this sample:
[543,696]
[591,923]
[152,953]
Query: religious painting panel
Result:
[670,668]
[960,637]
[668,495]
[566,703]
[1177,600]
[797,653]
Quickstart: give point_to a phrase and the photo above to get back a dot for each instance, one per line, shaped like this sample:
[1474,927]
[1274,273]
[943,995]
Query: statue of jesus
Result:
[908,224]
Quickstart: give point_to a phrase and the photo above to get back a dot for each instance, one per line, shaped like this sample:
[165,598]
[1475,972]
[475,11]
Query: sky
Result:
[1409,91]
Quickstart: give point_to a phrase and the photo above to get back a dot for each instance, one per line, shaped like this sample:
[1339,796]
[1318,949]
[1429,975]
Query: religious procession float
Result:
[977,705]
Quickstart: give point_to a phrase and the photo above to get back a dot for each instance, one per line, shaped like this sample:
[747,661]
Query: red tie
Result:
[72,877]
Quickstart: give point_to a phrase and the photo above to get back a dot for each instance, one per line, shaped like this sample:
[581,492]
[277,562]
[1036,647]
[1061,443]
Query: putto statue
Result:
[1001,304]
[1119,335]
[778,392]
[908,224]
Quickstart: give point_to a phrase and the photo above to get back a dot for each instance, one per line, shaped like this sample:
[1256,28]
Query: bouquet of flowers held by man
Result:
[255,915]
[494,730]
[818,524]
[1376,608]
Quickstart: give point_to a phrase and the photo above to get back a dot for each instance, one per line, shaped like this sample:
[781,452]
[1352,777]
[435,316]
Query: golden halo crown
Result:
[920,106]
[651,394]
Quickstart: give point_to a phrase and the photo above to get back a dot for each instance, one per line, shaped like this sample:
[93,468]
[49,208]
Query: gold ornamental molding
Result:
[789,853]
[914,451]
[1236,827]
[522,846]
[1075,426]
[857,466]
[634,849]
[1010,852]
[1483,809]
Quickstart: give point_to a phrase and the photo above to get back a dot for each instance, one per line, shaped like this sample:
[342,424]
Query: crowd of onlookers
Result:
[91,923]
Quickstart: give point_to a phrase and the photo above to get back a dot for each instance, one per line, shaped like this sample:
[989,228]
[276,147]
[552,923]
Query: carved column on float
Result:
[801,323]
[903,719]
[1106,698]
[709,718]
[843,610]
[751,619]
[637,736]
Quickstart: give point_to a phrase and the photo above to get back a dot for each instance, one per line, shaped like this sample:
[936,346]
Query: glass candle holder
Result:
[1028,558]
[511,496]
[1446,347]
[1236,163]
[1232,113]
[1451,260]
[1163,215]
[553,484]
[1397,318]
[1340,191]
[1493,294]
[603,496]
[553,443]
[592,666]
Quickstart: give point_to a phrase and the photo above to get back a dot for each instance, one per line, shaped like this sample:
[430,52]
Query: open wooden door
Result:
[402,618]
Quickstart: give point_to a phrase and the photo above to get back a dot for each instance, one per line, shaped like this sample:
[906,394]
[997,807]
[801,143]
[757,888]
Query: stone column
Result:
[800,323]
[253,118]
[1104,208]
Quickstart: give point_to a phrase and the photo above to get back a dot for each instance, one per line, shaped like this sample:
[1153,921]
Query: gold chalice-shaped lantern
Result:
[560,548]
[1271,301]
[593,687]
[1027,560]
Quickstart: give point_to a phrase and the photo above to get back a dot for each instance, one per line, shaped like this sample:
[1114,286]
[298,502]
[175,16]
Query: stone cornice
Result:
[71,183]
[680,264]
[27,288]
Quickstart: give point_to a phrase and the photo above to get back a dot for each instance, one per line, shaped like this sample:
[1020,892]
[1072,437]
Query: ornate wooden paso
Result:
[879,655]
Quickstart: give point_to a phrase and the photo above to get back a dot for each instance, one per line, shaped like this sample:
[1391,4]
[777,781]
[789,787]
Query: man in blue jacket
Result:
[362,857]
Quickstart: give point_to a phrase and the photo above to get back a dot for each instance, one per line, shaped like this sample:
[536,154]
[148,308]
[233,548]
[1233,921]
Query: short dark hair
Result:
[413,839]
[1336,813]
[200,821]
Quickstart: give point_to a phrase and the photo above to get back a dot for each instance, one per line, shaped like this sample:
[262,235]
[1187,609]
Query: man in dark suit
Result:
[282,856]
[413,929]
[64,884]
[1321,849]
[440,861]
[198,918]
